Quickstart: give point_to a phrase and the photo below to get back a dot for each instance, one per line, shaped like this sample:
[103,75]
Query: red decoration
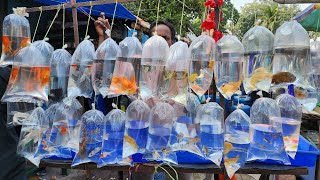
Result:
[220,2]
[210,3]
[208,24]
[212,15]
[217,35]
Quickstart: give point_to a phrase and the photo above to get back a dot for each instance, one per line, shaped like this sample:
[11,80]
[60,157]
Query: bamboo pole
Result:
[296,1]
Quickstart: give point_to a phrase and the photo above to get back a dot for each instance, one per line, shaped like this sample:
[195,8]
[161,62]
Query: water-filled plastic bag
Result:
[258,47]
[103,66]
[229,65]
[127,69]
[315,62]
[80,83]
[202,64]
[17,112]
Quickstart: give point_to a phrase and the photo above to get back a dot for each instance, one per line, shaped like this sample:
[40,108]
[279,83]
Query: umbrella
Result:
[310,18]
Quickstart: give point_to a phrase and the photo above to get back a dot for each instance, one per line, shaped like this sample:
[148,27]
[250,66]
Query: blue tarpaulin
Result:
[108,9]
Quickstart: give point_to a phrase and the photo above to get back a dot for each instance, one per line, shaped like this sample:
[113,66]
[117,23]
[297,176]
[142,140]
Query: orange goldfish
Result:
[63,130]
[211,64]
[299,93]
[194,140]
[259,75]
[230,88]
[105,154]
[227,147]
[6,44]
[193,77]
[24,42]
[230,161]
[130,141]
[197,88]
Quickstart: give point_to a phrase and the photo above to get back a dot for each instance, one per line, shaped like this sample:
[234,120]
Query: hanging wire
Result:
[63,23]
[88,23]
[135,25]
[53,21]
[158,9]
[35,31]
[114,14]
[181,22]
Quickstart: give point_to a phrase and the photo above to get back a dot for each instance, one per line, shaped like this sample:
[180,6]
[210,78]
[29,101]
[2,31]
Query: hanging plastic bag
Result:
[186,129]
[80,83]
[211,118]
[154,56]
[103,66]
[258,46]
[126,72]
[175,81]
[229,65]
[161,123]
[202,64]
[15,35]
[136,128]
[236,141]
[315,62]
[292,63]
[44,47]
[30,79]
[112,144]
[290,122]
[266,140]
[91,137]
[30,136]
[17,112]
[59,74]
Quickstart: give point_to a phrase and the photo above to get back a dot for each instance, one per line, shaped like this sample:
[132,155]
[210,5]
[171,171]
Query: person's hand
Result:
[101,26]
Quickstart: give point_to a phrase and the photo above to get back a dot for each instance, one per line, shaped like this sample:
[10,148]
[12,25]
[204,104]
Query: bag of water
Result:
[266,140]
[186,129]
[91,137]
[174,84]
[292,63]
[112,144]
[17,112]
[258,47]
[103,66]
[29,80]
[154,56]
[136,128]
[236,141]
[211,118]
[80,83]
[127,69]
[15,35]
[30,136]
[59,74]
[290,121]
[229,65]
[315,62]
[161,121]
[202,51]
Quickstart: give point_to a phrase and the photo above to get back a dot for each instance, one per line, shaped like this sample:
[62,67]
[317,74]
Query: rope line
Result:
[113,16]
[88,23]
[35,31]
[53,21]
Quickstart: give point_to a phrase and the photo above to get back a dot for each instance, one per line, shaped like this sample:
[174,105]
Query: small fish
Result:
[105,154]
[194,140]
[262,146]
[283,77]
[165,151]
[25,42]
[230,161]
[127,160]
[300,94]
[230,88]
[227,147]
[193,77]
[131,141]
[47,148]
[94,152]
[82,147]
[259,75]
[180,137]
[197,88]
[205,150]
[156,155]
[211,64]
[63,130]
[267,141]
[6,45]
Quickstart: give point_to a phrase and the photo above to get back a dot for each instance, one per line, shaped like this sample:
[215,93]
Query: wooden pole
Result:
[75,5]
[75,23]
[296,1]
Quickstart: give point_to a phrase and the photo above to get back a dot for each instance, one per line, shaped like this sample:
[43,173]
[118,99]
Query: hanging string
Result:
[180,32]
[113,16]
[35,31]
[158,9]
[89,19]
[135,25]
[63,22]
[53,21]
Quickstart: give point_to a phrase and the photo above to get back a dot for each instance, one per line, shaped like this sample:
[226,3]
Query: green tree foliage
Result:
[272,15]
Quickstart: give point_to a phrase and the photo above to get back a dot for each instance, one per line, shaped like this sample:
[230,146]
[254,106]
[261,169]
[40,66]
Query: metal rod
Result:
[296,1]
[75,23]
[75,5]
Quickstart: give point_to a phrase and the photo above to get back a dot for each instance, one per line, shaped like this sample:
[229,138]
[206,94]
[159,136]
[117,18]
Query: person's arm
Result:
[101,26]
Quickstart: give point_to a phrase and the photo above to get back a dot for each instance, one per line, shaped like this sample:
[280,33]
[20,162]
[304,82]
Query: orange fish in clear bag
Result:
[230,87]
[6,44]
[197,88]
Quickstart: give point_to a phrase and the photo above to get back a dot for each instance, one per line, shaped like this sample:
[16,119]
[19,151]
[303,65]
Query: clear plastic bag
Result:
[292,63]
[30,136]
[59,74]
[29,80]
[112,144]
[161,123]
[211,118]
[80,83]
[315,62]
[154,56]
[17,112]
[126,72]
[186,129]
[291,113]
[202,64]
[229,65]
[266,140]
[45,48]
[136,128]
[15,36]
[91,137]
[103,66]
[174,84]
[258,46]
[236,141]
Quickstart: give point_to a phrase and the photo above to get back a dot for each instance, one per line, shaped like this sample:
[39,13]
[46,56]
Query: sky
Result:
[240,3]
